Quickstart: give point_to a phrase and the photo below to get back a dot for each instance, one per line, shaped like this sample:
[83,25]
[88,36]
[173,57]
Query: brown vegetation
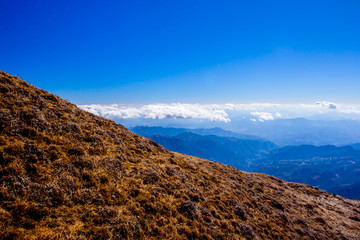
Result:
[68,174]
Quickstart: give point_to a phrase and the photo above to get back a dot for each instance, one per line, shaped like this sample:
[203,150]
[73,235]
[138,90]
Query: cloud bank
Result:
[264,116]
[260,112]
[212,112]
[326,104]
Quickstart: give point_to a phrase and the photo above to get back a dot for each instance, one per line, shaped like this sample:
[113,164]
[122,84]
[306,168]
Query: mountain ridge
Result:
[227,150]
[171,131]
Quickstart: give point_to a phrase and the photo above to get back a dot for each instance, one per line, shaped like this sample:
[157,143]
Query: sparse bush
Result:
[128,228]
[2,140]
[92,139]
[49,96]
[189,209]
[277,205]
[176,172]
[247,231]
[150,177]
[106,216]
[71,127]
[195,194]
[83,163]
[320,220]
[14,168]
[240,212]
[55,193]
[29,133]
[97,148]
[76,151]
[301,221]
[113,166]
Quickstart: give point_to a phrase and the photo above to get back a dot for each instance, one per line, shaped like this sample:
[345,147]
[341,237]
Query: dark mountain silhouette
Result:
[68,174]
[168,131]
[228,150]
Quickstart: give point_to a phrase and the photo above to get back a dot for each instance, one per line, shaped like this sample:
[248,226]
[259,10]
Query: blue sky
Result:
[144,52]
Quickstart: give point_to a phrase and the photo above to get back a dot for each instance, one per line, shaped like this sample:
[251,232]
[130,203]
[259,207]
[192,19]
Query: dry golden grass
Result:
[68,174]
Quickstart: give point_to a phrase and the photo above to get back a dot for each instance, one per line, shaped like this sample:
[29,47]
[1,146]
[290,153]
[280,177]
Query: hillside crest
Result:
[66,173]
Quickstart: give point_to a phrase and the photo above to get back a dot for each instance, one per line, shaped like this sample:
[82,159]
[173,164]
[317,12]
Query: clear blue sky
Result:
[185,51]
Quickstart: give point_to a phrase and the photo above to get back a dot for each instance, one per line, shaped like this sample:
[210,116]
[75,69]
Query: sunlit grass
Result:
[68,174]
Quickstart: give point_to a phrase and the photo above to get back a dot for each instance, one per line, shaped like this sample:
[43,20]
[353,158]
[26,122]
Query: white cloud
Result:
[326,104]
[112,111]
[220,112]
[264,116]
[210,112]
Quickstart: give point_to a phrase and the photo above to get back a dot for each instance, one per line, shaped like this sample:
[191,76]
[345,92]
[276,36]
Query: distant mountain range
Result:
[334,169]
[214,144]
[282,132]
[331,168]
[168,131]
[233,151]
[300,131]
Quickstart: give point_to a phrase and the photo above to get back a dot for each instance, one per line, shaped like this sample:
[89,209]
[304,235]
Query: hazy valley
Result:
[330,168]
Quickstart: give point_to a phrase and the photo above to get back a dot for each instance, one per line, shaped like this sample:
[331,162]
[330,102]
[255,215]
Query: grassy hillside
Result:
[68,174]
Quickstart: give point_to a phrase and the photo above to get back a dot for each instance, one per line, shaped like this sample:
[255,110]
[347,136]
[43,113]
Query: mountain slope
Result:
[227,150]
[68,174]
